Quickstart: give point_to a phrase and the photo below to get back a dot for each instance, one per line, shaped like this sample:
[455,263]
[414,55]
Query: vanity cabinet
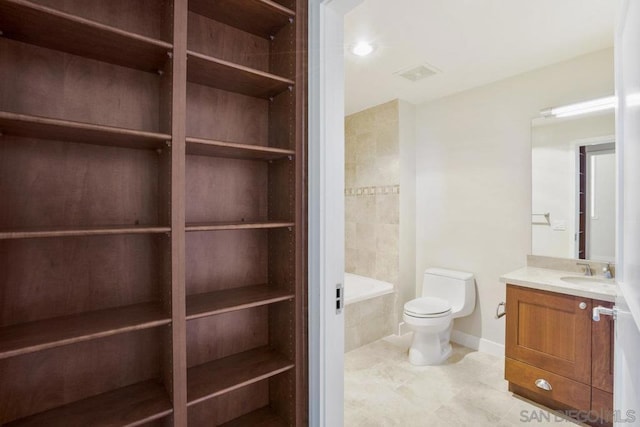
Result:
[555,354]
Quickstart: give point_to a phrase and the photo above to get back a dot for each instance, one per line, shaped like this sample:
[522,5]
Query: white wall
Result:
[473,175]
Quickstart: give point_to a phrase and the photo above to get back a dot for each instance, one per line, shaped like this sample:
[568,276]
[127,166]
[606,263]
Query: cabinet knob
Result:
[543,384]
[582,305]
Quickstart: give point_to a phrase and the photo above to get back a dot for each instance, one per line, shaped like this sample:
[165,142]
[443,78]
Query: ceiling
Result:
[470,43]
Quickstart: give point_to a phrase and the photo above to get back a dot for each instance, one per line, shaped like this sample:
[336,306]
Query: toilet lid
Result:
[427,306]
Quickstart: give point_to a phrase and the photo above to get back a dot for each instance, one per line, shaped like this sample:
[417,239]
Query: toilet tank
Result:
[457,287]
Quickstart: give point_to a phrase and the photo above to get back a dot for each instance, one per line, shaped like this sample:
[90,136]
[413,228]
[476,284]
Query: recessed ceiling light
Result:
[362,48]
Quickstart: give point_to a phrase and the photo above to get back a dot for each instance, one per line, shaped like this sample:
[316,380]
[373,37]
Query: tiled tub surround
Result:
[369,320]
[372,217]
[369,311]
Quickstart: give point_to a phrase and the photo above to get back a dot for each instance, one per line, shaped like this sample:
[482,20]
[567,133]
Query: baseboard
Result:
[476,343]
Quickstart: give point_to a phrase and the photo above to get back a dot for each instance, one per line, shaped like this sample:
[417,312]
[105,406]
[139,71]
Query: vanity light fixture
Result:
[362,48]
[579,108]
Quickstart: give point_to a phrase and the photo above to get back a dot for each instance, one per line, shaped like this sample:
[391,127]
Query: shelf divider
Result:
[217,73]
[49,333]
[219,226]
[263,18]
[230,373]
[29,126]
[213,148]
[32,23]
[133,405]
[212,303]
[33,233]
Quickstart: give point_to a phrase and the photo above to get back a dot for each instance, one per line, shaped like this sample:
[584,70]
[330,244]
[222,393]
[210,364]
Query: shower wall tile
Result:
[372,203]
[388,209]
[366,235]
[350,228]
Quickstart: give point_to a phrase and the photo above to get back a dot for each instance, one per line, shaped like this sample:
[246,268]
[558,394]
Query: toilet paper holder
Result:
[501,313]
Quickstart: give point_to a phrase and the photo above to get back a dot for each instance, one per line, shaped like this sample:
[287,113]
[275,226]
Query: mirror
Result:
[573,187]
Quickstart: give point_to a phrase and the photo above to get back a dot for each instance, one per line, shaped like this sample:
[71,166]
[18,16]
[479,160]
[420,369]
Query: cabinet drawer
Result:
[568,392]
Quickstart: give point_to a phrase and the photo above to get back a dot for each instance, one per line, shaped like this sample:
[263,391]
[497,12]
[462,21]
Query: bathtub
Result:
[369,312]
[359,288]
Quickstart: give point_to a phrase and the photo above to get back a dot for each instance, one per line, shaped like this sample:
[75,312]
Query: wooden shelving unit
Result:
[264,417]
[29,22]
[26,126]
[41,335]
[84,231]
[225,75]
[207,147]
[152,231]
[263,18]
[129,406]
[219,226]
[211,303]
[221,376]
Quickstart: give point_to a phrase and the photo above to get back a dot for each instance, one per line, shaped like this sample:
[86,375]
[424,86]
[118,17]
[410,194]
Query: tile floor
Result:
[383,389]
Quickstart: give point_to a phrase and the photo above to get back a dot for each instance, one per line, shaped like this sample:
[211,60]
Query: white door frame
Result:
[326,209]
[626,393]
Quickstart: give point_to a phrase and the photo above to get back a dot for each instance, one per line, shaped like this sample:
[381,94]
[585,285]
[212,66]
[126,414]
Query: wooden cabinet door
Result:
[550,331]
[602,351]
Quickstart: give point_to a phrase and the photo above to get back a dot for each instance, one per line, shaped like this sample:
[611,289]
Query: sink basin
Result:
[587,280]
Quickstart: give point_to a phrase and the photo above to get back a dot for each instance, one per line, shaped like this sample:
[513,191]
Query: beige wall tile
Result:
[387,141]
[388,209]
[365,262]
[350,234]
[366,237]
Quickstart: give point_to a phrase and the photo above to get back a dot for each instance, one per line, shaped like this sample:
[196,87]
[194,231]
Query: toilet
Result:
[446,295]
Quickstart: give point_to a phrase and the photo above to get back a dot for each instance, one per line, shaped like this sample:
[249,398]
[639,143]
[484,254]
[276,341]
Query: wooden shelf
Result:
[129,406]
[40,335]
[225,75]
[263,417]
[209,147]
[208,304]
[35,24]
[64,130]
[80,231]
[221,376]
[219,226]
[260,17]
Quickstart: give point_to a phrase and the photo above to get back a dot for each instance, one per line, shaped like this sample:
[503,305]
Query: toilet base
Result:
[428,348]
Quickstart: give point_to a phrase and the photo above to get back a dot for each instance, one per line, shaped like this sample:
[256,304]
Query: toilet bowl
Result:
[446,294]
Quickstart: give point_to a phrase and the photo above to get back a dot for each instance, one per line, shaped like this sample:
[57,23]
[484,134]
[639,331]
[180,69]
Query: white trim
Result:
[481,344]
[326,209]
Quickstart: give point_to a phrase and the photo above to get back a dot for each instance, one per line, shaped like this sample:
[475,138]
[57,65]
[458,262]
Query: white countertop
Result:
[549,280]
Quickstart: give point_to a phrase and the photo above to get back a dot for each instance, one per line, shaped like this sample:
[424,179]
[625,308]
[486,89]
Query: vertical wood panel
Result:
[178,159]
[48,83]
[140,16]
[602,351]
[225,42]
[300,205]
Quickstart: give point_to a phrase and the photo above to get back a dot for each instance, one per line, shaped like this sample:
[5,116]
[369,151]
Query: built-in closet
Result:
[152,213]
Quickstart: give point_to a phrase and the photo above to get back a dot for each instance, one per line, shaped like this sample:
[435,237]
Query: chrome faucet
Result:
[587,268]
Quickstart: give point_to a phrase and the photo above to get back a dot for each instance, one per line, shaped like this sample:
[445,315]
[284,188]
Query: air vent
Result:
[417,73]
